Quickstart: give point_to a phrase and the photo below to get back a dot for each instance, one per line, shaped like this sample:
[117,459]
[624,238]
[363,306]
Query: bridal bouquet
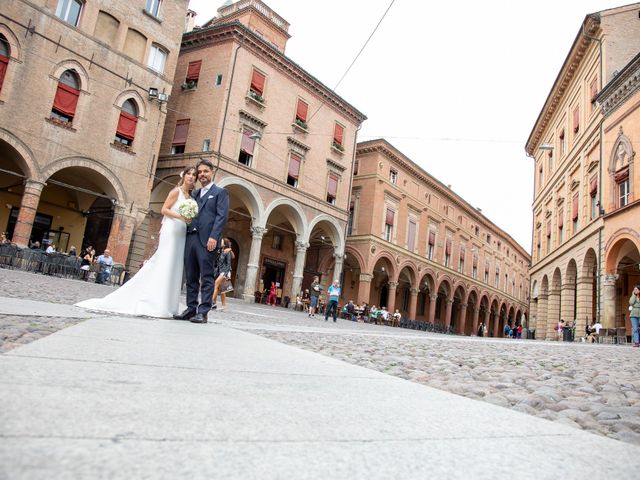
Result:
[188,209]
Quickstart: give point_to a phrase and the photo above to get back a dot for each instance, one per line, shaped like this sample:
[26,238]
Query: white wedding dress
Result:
[155,290]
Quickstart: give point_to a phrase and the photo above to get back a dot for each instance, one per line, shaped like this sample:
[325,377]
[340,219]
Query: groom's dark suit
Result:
[199,263]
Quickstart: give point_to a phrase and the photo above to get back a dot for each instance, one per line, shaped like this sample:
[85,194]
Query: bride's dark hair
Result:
[183,173]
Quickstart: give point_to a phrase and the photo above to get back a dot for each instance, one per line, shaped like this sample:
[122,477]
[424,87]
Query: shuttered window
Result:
[257,83]
[193,72]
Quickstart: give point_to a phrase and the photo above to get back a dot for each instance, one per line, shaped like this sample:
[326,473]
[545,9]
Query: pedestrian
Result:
[72,252]
[634,308]
[314,295]
[273,294]
[397,316]
[105,262]
[481,328]
[224,273]
[334,294]
[87,260]
[559,329]
[519,331]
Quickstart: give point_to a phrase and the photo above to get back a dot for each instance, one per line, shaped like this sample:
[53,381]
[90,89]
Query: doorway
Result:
[272,271]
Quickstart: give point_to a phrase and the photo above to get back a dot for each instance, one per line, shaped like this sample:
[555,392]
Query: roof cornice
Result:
[623,86]
[235,31]
[590,27]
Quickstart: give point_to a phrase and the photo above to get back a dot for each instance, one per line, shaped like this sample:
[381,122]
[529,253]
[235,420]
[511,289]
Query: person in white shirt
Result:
[106,262]
[51,248]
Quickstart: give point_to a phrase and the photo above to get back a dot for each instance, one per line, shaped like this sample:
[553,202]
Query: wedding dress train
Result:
[155,290]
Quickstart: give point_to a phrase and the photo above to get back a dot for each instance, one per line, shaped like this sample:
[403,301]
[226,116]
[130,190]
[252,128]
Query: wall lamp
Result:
[154,94]
[255,136]
[546,146]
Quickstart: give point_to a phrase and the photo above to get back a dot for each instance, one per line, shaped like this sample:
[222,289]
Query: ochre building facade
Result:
[79,134]
[583,183]
[282,144]
[415,245]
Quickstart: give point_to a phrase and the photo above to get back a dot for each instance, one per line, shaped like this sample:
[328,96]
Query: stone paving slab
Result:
[36,308]
[118,397]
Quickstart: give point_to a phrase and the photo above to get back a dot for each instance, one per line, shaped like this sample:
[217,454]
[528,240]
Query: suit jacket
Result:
[213,210]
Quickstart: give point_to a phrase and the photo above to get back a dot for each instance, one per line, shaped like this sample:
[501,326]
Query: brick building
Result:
[581,181]
[79,133]
[416,246]
[281,141]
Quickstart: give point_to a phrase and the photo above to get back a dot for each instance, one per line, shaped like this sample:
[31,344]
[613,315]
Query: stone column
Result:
[413,303]
[252,265]
[27,213]
[447,315]
[391,297]
[567,307]
[476,317]
[609,300]
[584,307]
[541,320]
[364,288]
[120,235]
[433,298]
[462,318]
[298,270]
[553,313]
[487,315]
[533,312]
[337,267]
[496,324]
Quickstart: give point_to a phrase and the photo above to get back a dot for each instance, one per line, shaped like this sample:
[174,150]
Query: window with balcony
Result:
[302,110]
[69,11]
[338,137]
[256,87]
[193,75]
[66,100]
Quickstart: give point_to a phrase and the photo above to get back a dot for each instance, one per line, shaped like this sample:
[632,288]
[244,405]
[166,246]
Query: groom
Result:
[201,247]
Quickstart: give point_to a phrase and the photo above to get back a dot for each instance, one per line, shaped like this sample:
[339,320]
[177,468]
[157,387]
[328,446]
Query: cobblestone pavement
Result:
[593,387]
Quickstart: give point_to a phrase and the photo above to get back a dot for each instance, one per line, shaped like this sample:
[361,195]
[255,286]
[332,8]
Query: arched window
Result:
[66,99]
[126,129]
[5,53]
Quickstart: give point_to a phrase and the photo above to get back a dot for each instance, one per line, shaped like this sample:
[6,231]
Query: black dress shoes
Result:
[186,315]
[199,318]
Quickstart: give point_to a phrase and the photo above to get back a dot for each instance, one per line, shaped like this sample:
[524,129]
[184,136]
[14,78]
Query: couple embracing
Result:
[187,243]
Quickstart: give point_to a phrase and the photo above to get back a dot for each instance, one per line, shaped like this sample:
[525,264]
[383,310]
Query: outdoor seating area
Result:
[55,264]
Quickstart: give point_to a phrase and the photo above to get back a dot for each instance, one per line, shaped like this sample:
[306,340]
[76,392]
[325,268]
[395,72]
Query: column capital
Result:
[449,301]
[433,296]
[610,279]
[338,256]
[35,184]
[393,285]
[258,232]
[301,247]
[365,277]
[464,305]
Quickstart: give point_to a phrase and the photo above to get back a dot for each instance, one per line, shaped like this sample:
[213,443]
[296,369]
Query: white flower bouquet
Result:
[188,209]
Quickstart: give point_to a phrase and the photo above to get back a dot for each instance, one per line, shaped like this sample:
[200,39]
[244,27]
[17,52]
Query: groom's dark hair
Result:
[204,161]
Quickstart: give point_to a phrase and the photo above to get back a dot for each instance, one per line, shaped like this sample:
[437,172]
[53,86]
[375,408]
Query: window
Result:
[593,91]
[593,193]
[135,45]
[352,210]
[474,272]
[276,242]
[561,143]
[302,110]
[69,11]
[550,169]
[447,252]
[294,169]
[338,136]
[332,188]
[548,237]
[193,74]
[506,283]
[180,136]
[576,120]
[5,54]
[574,214]
[218,80]
[461,260]
[622,181]
[247,147]
[393,176]
[486,272]
[388,225]
[157,58]
[431,245]
[560,226]
[256,88]
[538,245]
[540,177]
[106,27]
[126,129]
[206,145]
[66,99]
[411,235]
[355,165]
[488,238]
[152,7]
[497,279]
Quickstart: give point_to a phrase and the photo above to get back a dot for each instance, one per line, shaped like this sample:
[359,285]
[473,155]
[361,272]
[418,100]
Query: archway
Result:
[470,327]
[554,303]
[383,272]
[623,273]
[402,296]
[442,314]
[458,309]
[426,305]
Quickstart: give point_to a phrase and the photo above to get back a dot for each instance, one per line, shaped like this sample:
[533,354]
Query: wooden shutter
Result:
[574,212]
[66,99]
[257,82]
[389,219]
[622,175]
[193,71]
[338,134]
[4,63]
[247,144]
[593,187]
[180,134]
[332,188]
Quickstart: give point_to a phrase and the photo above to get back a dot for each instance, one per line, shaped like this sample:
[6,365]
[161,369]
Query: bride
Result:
[155,290]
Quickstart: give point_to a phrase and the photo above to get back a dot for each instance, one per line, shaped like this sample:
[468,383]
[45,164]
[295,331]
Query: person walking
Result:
[273,295]
[634,308]
[224,272]
[334,295]
[314,295]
